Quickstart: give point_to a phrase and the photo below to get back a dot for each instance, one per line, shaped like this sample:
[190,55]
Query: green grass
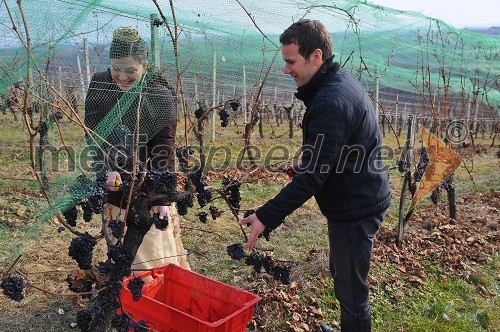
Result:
[436,306]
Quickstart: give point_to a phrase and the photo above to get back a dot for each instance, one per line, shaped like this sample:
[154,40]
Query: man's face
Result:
[300,68]
[126,71]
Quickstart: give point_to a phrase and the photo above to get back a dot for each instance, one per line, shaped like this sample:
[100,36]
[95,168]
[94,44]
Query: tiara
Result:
[126,34]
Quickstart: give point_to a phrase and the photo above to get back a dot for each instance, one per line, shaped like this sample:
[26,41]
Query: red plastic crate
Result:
[179,300]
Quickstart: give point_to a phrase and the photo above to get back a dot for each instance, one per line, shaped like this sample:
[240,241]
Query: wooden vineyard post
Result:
[407,162]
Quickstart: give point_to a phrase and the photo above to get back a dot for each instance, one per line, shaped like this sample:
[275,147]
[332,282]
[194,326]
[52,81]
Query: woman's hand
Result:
[163,211]
[113,181]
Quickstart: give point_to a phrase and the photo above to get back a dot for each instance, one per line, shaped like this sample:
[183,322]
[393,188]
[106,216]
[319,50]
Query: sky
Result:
[458,13]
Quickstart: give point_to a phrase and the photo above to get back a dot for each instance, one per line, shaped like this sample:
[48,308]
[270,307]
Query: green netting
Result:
[372,39]
[398,55]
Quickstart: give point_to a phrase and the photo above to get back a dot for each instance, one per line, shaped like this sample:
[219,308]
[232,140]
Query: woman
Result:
[126,107]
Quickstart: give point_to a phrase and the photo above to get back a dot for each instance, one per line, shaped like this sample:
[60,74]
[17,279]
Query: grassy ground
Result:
[441,299]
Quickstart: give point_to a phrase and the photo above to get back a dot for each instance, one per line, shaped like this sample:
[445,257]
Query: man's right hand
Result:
[113,181]
[257,228]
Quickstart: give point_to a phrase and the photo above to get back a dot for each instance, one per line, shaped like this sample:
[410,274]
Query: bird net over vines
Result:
[216,51]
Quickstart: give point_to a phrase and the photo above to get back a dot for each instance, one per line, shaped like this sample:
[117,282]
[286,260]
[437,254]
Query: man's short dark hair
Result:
[309,35]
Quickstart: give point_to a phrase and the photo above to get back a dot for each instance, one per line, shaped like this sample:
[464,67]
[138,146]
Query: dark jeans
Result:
[351,244]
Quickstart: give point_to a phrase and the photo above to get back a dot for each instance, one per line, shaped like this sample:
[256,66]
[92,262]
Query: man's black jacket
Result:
[341,163]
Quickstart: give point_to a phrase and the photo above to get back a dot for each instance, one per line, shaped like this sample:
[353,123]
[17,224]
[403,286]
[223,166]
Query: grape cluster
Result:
[120,323]
[278,270]
[232,187]
[124,188]
[83,319]
[182,154]
[87,211]
[281,272]
[434,197]
[421,165]
[140,326]
[135,287]
[185,202]
[165,183]
[202,216]
[13,287]
[116,227]
[266,233]
[402,166]
[103,268]
[446,185]
[224,117]
[203,196]
[160,223]
[255,259]
[214,212]
[248,213]
[122,260]
[234,105]
[97,199]
[81,250]
[114,289]
[104,306]
[236,251]
[199,112]
[70,215]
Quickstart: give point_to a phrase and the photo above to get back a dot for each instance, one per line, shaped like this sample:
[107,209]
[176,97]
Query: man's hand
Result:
[256,229]
[113,181]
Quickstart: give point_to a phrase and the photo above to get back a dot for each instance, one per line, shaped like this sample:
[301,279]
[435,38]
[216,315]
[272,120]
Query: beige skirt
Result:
[158,247]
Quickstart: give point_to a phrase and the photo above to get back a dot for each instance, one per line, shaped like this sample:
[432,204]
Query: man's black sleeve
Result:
[328,130]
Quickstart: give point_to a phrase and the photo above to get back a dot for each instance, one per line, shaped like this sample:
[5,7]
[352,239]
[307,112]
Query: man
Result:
[340,166]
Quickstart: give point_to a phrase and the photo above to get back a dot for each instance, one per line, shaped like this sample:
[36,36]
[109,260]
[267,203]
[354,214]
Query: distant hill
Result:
[487,31]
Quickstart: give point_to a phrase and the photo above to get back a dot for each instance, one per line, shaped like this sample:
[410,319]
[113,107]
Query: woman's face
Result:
[126,71]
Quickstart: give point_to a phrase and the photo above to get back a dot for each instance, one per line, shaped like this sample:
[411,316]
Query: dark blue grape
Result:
[236,251]
[81,250]
[13,287]
[135,287]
